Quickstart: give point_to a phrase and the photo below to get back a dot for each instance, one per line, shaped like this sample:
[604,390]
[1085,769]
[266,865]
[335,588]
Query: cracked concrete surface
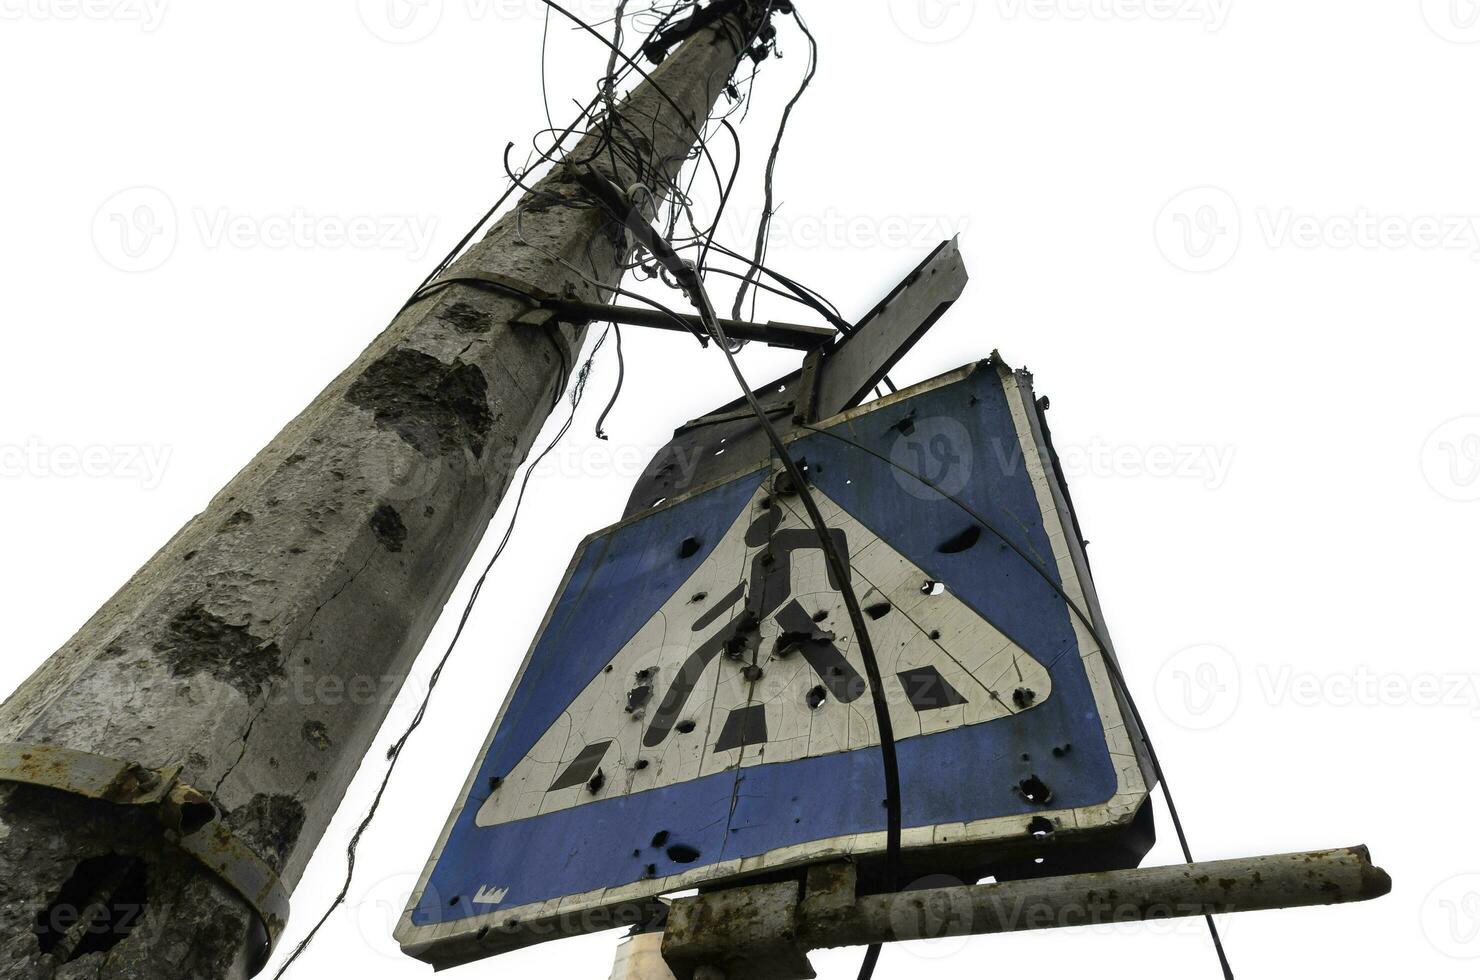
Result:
[261,647]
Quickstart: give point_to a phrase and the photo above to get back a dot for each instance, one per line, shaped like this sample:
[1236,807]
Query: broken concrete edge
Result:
[763,932]
[189,819]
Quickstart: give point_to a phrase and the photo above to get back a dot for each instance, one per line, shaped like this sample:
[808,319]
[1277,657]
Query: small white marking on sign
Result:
[490,896]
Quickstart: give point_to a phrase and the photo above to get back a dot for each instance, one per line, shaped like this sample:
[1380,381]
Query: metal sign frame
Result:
[1102,824]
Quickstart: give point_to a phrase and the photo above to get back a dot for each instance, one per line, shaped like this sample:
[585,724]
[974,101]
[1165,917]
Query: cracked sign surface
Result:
[695,708]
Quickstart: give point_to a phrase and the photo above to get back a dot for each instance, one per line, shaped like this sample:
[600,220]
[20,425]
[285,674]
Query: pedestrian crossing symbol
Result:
[694,709]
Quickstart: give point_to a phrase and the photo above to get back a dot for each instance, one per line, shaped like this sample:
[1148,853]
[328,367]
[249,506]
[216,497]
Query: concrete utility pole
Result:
[166,775]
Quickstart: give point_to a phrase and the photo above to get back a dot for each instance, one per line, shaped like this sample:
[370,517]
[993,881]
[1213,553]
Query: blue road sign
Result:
[694,711]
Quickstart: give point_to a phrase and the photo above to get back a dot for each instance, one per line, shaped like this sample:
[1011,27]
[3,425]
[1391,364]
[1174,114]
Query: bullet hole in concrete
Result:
[112,891]
[683,854]
[294,459]
[467,318]
[270,824]
[436,408]
[684,727]
[699,597]
[199,642]
[817,697]
[598,780]
[316,733]
[1024,697]
[878,610]
[660,839]
[932,587]
[689,547]
[238,519]
[963,541]
[1034,790]
[429,511]
[1060,751]
[189,555]
[1041,827]
[638,697]
[389,529]
[753,672]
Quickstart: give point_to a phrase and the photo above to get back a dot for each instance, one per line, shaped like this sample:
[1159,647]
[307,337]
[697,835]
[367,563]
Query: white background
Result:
[1236,242]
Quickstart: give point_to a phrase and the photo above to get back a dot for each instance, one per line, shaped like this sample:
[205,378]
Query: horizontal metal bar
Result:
[763,932]
[793,336]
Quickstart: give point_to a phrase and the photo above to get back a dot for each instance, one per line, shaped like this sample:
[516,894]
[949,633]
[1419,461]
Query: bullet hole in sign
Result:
[660,839]
[879,610]
[699,597]
[689,548]
[1060,751]
[683,854]
[1034,790]
[640,765]
[638,697]
[684,727]
[597,781]
[819,615]
[753,672]
[964,541]
[1024,697]
[1040,827]
[817,697]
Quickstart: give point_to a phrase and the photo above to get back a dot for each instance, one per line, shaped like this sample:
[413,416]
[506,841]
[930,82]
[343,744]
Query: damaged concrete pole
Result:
[216,708]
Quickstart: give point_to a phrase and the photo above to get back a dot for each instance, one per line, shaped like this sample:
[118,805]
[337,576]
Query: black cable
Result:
[617,391]
[394,754]
[762,233]
[1112,666]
